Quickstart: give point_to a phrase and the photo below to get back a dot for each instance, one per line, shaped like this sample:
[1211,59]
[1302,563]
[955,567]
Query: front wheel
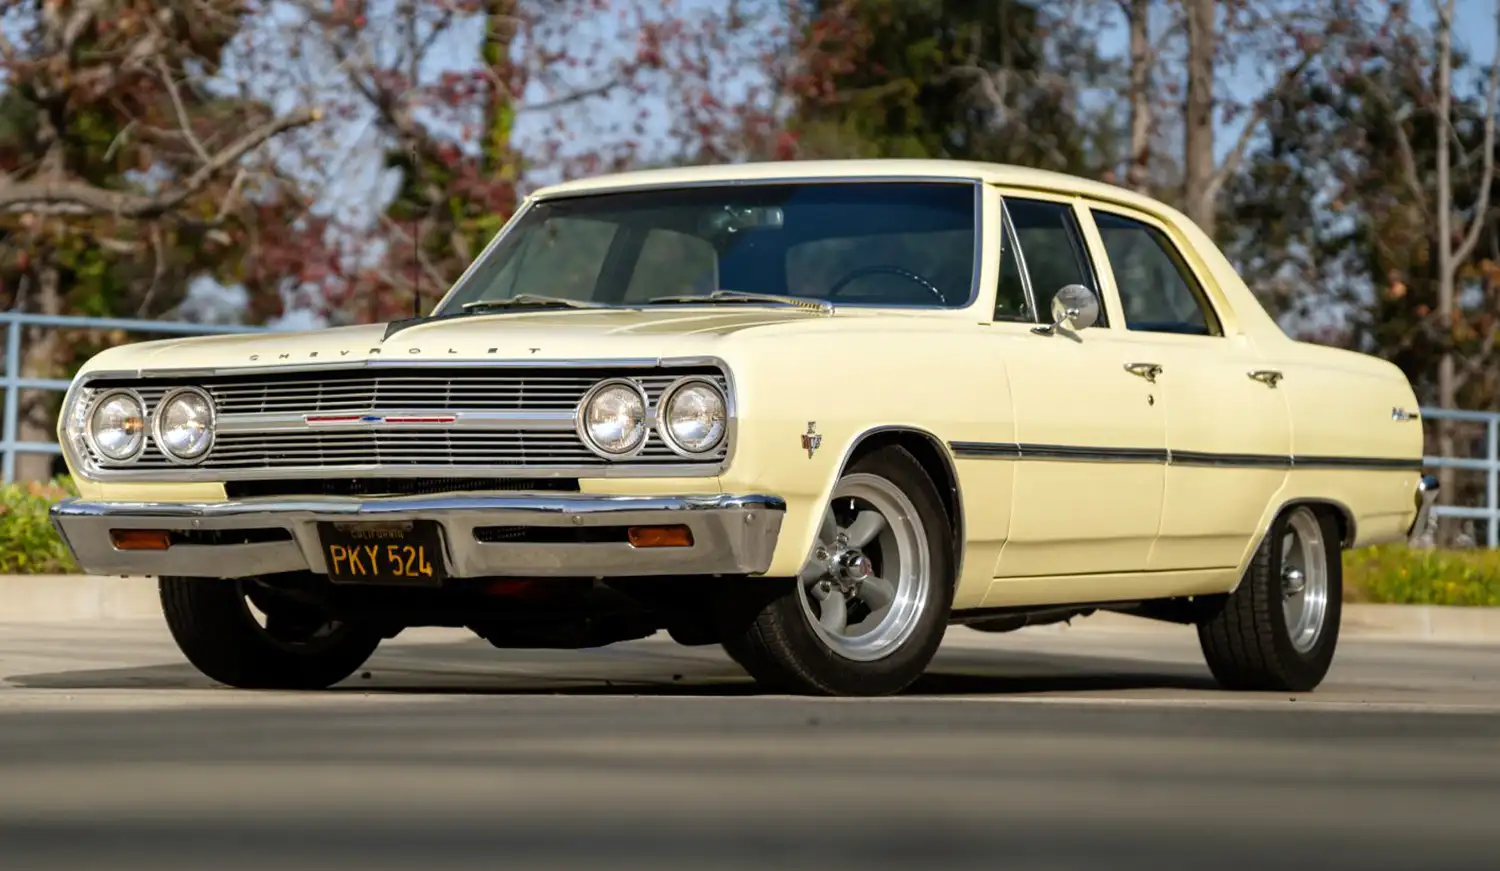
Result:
[296,647]
[866,614]
[1277,631]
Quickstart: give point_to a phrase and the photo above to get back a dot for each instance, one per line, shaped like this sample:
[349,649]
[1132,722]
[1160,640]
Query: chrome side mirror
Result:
[1074,308]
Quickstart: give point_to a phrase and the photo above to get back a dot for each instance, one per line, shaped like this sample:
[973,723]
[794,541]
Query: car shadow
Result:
[437,671]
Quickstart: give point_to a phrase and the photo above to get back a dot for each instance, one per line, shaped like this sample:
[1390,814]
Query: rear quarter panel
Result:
[1341,408]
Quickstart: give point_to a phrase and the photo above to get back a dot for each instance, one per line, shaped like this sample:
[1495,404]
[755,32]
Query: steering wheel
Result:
[897,271]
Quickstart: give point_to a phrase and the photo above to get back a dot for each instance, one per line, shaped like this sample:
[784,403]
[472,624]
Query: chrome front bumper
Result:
[732,535]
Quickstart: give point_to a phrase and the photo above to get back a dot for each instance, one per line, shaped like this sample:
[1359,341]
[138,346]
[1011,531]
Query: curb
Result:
[49,598]
[62,598]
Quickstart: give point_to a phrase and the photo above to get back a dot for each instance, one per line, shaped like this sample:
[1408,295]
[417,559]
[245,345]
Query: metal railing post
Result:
[12,396]
[1492,480]
[13,381]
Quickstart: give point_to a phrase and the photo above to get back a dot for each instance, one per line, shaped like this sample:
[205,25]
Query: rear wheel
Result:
[291,646]
[868,611]
[1278,630]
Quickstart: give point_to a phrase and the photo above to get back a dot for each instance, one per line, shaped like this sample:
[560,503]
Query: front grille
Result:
[277,437]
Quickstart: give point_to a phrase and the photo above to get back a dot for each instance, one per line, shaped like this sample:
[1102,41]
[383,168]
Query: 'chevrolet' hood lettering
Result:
[617,334]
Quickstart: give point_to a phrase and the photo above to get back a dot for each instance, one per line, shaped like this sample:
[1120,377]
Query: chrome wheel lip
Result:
[905,561]
[1303,579]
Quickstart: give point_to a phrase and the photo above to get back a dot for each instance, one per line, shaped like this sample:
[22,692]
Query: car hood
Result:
[530,335]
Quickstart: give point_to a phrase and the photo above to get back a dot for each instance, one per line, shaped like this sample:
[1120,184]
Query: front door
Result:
[1090,447]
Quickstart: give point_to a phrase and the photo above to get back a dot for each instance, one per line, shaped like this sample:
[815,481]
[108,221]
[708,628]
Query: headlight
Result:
[184,424]
[117,426]
[612,418]
[693,416]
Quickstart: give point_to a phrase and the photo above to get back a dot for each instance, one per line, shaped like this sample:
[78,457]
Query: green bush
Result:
[1397,574]
[28,543]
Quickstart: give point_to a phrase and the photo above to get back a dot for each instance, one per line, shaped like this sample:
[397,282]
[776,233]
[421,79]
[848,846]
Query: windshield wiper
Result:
[520,299]
[717,296]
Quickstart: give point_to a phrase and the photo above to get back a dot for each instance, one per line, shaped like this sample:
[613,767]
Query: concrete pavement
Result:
[1039,749]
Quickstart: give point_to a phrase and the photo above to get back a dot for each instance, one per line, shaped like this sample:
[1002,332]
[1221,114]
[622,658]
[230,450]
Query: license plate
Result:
[383,553]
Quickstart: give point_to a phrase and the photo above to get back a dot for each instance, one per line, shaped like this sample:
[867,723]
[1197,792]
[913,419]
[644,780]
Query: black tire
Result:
[215,630]
[765,628]
[1247,641]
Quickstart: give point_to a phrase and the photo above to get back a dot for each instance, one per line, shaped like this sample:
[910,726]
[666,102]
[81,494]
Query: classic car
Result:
[815,412]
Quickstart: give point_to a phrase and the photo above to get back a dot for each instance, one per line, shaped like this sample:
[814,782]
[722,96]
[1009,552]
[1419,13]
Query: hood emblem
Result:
[811,441]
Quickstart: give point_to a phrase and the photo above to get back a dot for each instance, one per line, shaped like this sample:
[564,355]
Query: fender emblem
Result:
[1402,414]
[811,441]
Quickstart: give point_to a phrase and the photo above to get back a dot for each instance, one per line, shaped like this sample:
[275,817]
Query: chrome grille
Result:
[501,448]
[415,393]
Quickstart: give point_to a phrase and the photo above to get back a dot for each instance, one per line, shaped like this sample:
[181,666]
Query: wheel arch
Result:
[1340,512]
[1342,516]
[933,455]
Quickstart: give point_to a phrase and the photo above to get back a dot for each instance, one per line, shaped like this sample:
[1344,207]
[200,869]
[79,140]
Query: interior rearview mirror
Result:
[1073,308]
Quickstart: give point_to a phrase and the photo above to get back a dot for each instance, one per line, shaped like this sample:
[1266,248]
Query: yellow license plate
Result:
[383,553]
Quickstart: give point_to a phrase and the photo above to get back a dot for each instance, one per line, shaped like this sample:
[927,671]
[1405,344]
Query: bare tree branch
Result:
[1236,155]
[182,114]
[1487,171]
[78,197]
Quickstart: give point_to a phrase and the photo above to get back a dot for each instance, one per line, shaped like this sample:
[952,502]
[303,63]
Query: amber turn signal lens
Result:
[661,536]
[140,539]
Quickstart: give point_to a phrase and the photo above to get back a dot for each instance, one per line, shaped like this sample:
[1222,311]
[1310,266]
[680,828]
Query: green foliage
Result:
[28,543]
[961,79]
[1397,574]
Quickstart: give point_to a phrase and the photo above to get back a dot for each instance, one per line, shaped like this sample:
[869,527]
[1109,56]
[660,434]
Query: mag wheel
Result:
[868,610]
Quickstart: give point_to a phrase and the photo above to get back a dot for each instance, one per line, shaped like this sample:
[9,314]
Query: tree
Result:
[1336,219]
[963,80]
[1453,251]
[122,171]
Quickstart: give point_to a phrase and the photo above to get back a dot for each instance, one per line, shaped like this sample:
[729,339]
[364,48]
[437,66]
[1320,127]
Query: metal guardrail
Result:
[1489,464]
[14,383]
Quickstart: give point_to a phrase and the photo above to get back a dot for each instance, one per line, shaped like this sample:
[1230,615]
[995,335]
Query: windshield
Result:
[870,243]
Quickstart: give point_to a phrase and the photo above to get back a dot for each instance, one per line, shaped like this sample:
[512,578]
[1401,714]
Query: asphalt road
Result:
[1037,750]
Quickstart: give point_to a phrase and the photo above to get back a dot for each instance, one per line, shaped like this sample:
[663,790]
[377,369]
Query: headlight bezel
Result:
[663,416]
[157,417]
[580,419]
[94,403]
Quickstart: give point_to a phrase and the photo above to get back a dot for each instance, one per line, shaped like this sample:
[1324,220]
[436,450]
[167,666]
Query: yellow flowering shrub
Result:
[1395,573]
[28,543]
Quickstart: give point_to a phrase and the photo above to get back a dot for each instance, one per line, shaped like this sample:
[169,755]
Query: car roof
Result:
[958,170]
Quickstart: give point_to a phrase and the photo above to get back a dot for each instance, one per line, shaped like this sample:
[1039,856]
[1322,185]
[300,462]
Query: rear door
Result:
[1228,428]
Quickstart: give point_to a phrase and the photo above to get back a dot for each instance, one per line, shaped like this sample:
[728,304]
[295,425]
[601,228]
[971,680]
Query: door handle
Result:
[1148,371]
[1268,377]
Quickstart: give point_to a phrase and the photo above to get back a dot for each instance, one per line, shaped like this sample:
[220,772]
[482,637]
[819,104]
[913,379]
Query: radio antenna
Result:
[416,245]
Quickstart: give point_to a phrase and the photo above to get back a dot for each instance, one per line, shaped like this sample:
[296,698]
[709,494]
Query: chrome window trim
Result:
[1008,233]
[155,427]
[978,184]
[196,474]
[666,397]
[88,423]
